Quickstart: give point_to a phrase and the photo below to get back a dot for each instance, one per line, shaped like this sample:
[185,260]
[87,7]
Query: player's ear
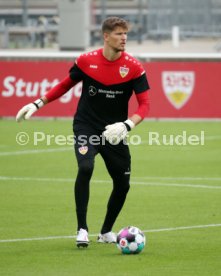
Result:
[105,36]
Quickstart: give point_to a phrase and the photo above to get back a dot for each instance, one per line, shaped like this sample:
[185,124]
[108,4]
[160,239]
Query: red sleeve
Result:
[60,89]
[144,104]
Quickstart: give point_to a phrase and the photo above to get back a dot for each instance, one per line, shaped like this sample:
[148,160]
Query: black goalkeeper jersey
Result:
[107,88]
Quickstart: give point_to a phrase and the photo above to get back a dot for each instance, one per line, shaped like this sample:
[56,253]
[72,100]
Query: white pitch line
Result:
[33,151]
[19,152]
[174,185]
[182,228]
[135,177]
[215,137]
[6,178]
[178,178]
[37,239]
[94,235]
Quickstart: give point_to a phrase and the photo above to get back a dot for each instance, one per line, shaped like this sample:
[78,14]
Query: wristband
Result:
[129,124]
[38,103]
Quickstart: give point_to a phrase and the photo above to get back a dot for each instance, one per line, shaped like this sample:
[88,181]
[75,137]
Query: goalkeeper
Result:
[109,76]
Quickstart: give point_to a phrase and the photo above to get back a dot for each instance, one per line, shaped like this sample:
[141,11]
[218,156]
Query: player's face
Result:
[117,39]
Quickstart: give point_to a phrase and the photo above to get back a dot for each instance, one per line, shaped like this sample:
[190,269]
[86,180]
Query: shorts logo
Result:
[83,150]
[123,71]
[92,90]
[178,86]
[127,173]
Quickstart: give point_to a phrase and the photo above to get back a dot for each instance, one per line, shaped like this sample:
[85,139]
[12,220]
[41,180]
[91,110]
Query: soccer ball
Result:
[131,240]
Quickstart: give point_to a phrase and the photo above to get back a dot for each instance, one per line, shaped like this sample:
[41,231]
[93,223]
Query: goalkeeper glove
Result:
[26,111]
[117,132]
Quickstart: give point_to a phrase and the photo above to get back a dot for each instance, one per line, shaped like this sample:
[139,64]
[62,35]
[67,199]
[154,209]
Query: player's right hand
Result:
[27,111]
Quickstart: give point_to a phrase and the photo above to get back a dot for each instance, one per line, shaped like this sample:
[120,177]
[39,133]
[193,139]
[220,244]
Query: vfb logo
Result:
[178,86]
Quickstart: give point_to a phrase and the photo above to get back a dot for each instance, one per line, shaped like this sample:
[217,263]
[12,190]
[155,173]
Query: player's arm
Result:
[59,90]
[56,92]
[140,87]
[116,132]
[143,108]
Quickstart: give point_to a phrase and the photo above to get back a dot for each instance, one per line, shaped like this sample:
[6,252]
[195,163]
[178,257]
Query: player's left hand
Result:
[117,132]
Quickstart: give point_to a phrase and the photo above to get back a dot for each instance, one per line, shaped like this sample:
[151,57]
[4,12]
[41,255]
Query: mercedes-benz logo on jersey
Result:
[92,90]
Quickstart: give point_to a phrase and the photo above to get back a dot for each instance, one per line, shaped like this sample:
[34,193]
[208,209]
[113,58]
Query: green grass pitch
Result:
[175,198]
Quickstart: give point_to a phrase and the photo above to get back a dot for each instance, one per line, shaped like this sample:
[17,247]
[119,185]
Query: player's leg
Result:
[118,162]
[85,154]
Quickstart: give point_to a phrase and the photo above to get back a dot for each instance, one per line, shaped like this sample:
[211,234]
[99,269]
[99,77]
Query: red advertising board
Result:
[185,89]
[178,89]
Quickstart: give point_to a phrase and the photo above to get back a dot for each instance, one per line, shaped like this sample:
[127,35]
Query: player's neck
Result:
[110,54]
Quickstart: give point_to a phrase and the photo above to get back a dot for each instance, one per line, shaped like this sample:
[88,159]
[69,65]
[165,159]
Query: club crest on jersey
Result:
[123,71]
[178,86]
[83,150]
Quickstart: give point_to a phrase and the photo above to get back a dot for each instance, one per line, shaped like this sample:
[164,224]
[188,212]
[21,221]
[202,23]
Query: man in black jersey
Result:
[109,76]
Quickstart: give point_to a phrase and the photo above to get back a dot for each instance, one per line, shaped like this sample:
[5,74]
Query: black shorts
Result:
[89,142]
